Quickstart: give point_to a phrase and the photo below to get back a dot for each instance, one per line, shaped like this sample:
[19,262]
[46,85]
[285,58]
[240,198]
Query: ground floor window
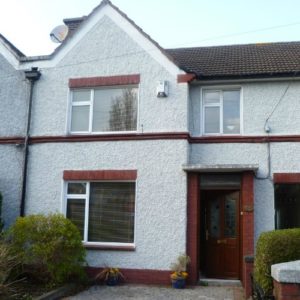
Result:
[103,211]
[287,205]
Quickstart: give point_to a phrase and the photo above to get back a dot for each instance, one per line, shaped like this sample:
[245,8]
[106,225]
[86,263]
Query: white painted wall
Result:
[160,200]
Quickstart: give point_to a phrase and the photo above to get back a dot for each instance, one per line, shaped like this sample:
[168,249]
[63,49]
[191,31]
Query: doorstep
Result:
[219,282]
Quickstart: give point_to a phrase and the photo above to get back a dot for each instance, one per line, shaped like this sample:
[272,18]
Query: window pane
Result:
[211,97]
[82,95]
[231,111]
[212,120]
[76,188]
[111,212]
[75,212]
[80,118]
[115,110]
[287,205]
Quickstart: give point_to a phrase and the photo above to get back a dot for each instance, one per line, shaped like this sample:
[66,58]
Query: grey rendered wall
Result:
[161,184]
[160,229]
[106,51]
[259,100]
[13,99]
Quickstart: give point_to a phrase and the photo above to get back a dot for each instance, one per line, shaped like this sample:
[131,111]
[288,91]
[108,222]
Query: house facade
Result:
[153,152]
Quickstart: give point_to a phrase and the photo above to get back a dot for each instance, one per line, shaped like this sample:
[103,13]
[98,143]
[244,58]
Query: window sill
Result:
[109,247]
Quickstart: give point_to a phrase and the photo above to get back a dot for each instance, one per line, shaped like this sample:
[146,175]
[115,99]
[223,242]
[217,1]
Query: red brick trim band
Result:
[12,140]
[152,136]
[110,137]
[183,78]
[104,81]
[158,136]
[100,175]
[140,276]
[286,178]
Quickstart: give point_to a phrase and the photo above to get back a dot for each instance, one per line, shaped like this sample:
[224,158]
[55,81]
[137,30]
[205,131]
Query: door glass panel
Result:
[230,217]
[214,218]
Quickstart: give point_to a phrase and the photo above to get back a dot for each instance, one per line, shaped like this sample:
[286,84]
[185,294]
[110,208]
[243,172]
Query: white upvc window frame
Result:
[219,89]
[86,197]
[90,103]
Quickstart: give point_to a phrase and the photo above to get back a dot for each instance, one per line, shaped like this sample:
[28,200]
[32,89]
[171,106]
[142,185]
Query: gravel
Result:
[146,292]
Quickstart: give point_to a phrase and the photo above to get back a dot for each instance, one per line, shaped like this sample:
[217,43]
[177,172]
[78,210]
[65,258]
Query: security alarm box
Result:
[162,89]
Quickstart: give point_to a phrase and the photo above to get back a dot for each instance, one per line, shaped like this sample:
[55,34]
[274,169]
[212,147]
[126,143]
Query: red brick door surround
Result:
[246,226]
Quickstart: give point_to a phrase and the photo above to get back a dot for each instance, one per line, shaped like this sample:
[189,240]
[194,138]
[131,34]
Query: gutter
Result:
[32,76]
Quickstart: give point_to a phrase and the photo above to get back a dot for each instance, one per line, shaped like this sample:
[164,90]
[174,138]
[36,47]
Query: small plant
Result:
[50,248]
[111,276]
[179,274]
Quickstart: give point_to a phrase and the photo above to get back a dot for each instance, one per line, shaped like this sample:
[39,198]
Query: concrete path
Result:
[146,292]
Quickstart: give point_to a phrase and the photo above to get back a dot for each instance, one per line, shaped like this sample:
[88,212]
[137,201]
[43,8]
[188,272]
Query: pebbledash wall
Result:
[160,214]
[13,112]
[258,101]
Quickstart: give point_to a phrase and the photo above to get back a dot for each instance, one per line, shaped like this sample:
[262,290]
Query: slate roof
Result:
[236,61]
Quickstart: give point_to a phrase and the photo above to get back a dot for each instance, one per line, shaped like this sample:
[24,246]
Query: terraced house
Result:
[153,152]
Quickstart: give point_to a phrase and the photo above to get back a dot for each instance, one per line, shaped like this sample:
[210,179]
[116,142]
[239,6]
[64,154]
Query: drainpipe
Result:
[32,76]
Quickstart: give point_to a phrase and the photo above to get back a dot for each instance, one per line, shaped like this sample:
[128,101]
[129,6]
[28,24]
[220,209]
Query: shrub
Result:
[274,247]
[9,270]
[49,246]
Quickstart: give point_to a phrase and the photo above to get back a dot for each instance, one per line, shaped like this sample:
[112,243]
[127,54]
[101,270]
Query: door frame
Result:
[193,246]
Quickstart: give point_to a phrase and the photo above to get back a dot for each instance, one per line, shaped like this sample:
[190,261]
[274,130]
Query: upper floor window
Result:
[104,110]
[221,111]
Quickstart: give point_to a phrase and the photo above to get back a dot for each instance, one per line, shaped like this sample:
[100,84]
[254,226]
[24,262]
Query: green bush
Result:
[274,247]
[9,270]
[50,247]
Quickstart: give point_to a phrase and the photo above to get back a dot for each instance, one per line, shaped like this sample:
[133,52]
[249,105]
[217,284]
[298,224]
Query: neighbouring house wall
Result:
[13,110]
[259,100]
[160,227]
[107,51]
[11,161]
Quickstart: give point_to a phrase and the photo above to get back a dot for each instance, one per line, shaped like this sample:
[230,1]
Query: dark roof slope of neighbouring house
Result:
[252,60]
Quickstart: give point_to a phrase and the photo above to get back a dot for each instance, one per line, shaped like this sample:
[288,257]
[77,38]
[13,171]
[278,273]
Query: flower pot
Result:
[112,280]
[178,283]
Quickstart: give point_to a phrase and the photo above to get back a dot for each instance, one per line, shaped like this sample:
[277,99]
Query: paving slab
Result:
[146,292]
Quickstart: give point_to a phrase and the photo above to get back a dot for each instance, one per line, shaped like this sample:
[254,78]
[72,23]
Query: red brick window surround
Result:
[286,178]
[100,175]
[101,203]
[104,81]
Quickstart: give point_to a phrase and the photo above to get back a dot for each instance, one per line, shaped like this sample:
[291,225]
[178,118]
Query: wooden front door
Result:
[222,234]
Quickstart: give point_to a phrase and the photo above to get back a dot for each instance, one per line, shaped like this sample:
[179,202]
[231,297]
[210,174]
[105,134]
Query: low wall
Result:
[286,278]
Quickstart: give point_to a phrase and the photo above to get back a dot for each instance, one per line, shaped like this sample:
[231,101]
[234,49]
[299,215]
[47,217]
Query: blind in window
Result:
[111,212]
[75,212]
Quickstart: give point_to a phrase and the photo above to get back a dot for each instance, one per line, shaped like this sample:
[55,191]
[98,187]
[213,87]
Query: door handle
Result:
[222,241]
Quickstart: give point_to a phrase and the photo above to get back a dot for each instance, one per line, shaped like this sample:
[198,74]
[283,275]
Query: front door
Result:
[222,234]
